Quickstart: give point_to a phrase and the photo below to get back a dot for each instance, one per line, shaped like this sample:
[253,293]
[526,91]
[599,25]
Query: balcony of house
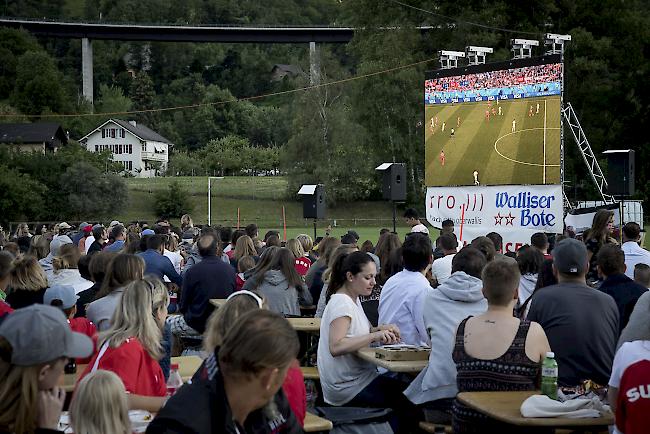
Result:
[154,156]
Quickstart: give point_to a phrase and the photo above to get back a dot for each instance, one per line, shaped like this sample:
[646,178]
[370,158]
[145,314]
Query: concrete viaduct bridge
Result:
[169,33]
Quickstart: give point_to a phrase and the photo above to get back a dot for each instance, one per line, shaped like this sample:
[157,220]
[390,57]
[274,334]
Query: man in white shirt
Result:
[441,268]
[400,302]
[634,254]
[412,219]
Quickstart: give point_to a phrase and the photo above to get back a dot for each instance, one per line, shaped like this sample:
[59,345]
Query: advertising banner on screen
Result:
[515,212]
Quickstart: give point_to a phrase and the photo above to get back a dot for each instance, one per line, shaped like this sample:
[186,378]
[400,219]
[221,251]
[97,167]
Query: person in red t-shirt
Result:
[629,387]
[237,304]
[64,297]
[302,261]
[243,265]
[131,347]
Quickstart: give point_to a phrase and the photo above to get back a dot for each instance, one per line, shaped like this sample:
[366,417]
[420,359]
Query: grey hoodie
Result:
[444,308]
[280,297]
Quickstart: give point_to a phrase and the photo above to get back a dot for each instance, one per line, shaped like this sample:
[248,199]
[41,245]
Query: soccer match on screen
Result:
[494,127]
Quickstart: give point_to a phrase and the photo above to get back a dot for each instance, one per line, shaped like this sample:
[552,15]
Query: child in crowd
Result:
[245,263]
[131,346]
[64,298]
[35,344]
[100,406]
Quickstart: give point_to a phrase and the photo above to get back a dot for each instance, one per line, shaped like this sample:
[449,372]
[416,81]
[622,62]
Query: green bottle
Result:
[549,376]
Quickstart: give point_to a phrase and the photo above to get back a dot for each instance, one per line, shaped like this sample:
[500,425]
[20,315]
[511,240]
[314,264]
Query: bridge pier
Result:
[314,67]
[87,69]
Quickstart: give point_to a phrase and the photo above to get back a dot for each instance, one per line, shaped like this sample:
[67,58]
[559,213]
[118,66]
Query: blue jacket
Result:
[160,266]
[210,278]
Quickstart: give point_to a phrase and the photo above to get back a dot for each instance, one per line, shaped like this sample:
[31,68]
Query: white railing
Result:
[152,156]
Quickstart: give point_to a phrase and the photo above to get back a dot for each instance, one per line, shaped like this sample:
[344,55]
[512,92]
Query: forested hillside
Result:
[334,134]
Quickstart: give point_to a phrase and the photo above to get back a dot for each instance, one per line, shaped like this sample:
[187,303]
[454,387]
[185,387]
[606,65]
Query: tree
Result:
[38,85]
[143,95]
[89,193]
[21,197]
[174,202]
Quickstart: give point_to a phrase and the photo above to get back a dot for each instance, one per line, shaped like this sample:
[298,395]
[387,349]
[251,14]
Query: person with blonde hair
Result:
[99,405]
[121,270]
[243,247]
[303,264]
[131,346]
[35,344]
[39,246]
[314,277]
[66,270]
[237,389]
[27,283]
[307,245]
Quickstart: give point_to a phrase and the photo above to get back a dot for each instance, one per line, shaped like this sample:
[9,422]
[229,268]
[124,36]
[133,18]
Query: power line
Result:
[218,103]
[459,21]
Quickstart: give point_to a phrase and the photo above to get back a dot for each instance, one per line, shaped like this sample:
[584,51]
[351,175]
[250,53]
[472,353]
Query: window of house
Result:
[103,133]
[96,148]
[130,149]
[144,146]
[130,165]
[122,134]
[120,149]
[112,133]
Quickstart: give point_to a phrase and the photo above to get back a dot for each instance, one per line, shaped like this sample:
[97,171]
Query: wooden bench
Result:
[315,423]
[310,372]
[431,427]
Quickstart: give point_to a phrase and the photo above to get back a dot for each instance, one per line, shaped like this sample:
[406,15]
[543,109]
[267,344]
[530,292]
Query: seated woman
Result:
[223,318]
[100,406]
[131,346]
[35,344]
[237,389]
[27,283]
[281,284]
[496,351]
[66,270]
[345,329]
[121,270]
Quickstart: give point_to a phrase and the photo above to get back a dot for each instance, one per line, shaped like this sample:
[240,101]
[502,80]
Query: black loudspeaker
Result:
[620,172]
[313,205]
[394,187]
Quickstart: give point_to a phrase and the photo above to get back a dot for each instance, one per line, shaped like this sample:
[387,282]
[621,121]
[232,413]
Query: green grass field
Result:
[529,155]
[260,200]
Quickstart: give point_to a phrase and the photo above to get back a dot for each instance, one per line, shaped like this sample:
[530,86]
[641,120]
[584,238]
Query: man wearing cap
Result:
[63,229]
[39,338]
[79,234]
[581,322]
[55,245]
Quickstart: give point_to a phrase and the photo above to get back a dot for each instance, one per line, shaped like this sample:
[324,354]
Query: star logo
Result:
[498,218]
[509,219]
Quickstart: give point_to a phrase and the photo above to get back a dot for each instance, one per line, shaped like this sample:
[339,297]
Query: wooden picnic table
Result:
[315,423]
[187,366]
[408,366]
[305,324]
[505,407]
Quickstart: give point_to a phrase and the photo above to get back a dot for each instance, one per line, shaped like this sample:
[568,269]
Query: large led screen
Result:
[494,124]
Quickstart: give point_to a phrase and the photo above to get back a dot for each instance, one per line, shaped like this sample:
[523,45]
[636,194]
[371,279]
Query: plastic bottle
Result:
[175,381]
[312,393]
[549,376]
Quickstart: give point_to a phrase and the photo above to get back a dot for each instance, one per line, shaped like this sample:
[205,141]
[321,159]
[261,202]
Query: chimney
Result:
[133,123]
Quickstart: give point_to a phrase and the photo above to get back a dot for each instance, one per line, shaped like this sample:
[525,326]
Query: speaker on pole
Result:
[394,181]
[313,201]
[620,172]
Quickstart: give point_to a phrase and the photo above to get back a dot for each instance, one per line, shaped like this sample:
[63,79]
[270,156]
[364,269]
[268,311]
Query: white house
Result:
[141,150]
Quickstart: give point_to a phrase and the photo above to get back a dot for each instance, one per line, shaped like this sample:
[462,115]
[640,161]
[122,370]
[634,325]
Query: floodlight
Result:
[476,55]
[449,59]
[556,43]
[522,48]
